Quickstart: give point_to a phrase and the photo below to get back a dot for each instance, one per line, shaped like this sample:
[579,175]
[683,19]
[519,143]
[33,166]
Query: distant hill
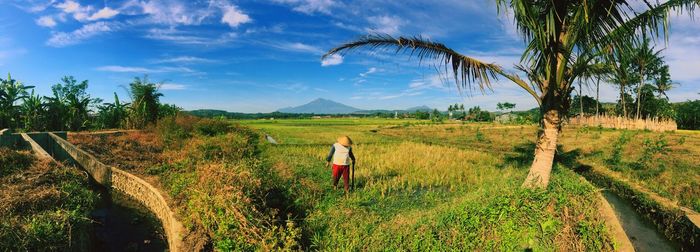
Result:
[419,108]
[315,107]
[320,106]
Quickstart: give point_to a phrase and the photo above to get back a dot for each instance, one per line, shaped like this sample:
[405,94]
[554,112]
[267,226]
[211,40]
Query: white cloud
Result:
[297,47]
[61,39]
[310,6]
[124,69]
[435,81]
[185,60]
[69,6]
[173,12]
[186,38]
[233,17]
[371,70]
[131,69]
[172,86]
[46,21]
[385,24]
[80,13]
[104,13]
[401,94]
[332,60]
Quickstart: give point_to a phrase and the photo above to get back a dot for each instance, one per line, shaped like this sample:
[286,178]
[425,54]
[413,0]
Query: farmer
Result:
[341,153]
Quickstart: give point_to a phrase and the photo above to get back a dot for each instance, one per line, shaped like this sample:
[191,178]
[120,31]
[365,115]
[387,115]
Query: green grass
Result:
[666,163]
[429,187]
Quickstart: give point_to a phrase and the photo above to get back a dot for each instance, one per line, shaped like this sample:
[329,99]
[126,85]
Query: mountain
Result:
[320,106]
[419,108]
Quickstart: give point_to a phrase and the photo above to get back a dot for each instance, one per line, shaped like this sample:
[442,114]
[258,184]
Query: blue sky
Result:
[258,56]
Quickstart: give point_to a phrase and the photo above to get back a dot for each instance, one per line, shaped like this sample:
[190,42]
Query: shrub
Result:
[616,156]
[212,127]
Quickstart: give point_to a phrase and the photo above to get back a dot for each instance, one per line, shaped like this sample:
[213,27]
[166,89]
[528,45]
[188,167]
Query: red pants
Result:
[345,171]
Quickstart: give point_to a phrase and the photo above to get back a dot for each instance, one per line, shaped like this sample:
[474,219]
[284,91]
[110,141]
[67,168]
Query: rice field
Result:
[425,187]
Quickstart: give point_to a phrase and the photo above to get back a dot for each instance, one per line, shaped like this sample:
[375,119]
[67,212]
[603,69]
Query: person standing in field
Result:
[341,154]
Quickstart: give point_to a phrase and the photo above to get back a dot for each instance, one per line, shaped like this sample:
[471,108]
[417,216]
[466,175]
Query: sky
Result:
[262,55]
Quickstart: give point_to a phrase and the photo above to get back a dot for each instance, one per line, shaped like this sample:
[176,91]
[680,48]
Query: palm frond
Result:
[466,70]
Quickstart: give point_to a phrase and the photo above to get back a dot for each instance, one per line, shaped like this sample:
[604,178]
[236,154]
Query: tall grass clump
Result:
[44,207]
[219,186]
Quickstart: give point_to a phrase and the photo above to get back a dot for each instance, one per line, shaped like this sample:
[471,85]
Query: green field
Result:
[431,187]
[420,186]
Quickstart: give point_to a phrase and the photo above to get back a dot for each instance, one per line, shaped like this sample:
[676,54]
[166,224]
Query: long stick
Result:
[353,176]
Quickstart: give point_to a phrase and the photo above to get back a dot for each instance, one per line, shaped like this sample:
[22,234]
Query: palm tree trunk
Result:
[639,91]
[580,97]
[544,150]
[622,99]
[597,97]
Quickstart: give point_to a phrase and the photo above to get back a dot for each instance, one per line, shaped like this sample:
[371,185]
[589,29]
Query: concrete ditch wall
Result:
[677,223]
[39,152]
[128,184]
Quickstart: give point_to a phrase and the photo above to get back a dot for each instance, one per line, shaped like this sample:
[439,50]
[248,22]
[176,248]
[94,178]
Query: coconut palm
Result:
[619,64]
[644,58]
[664,83]
[562,37]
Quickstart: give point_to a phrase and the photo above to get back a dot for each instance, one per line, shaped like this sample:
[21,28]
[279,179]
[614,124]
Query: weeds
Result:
[44,206]
[615,158]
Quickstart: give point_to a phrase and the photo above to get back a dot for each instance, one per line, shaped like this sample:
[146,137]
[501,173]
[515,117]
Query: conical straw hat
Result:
[345,141]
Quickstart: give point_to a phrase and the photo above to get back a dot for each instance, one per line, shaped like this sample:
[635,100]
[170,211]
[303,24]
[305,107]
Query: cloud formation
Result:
[233,17]
[46,21]
[310,6]
[61,39]
[332,60]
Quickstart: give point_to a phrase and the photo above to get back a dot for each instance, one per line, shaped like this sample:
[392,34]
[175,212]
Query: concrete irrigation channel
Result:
[651,222]
[126,193]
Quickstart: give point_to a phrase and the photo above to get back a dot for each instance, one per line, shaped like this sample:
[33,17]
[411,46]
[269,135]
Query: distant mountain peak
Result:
[419,108]
[320,106]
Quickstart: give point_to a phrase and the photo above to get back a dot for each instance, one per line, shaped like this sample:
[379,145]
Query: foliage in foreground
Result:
[222,187]
[44,206]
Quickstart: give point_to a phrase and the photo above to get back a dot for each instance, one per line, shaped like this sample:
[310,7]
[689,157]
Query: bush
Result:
[174,130]
[212,127]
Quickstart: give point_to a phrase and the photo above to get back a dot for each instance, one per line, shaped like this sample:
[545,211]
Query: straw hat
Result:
[345,141]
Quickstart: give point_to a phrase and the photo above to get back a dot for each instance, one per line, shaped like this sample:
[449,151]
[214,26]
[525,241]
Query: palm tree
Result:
[664,83]
[11,91]
[561,37]
[644,57]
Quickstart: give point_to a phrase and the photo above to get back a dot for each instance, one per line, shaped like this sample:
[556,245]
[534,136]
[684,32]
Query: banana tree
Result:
[11,91]
[145,102]
[33,111]
[113,115]
[561,40]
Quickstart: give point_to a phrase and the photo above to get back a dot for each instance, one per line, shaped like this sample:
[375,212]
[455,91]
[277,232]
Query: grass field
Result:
[431,187]
[666,163]
[419,186]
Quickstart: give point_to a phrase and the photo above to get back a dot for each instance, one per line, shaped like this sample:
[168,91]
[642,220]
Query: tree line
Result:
[70,106]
